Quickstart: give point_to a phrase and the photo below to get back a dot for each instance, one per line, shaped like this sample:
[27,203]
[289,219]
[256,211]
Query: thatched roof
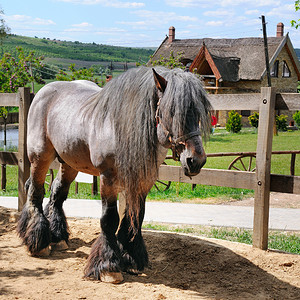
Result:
[235,59]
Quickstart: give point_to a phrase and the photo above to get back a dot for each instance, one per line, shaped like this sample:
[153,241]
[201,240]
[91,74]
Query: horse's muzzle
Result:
[192,164]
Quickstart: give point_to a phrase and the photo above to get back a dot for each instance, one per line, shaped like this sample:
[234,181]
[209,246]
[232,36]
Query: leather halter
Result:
[175,142]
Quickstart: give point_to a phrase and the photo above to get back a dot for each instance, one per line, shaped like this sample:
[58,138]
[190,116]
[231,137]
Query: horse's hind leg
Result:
[33,227]
[54,210]
[134,253]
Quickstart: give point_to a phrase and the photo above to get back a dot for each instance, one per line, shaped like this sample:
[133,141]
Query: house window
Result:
[274,69]
[245,113]
[285,70]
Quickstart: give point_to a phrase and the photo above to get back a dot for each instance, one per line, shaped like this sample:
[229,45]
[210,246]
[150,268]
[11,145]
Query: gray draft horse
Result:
[120,133]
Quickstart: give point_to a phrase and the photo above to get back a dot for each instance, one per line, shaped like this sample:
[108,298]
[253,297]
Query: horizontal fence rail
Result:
[229,178]
[284,101]
[9,99]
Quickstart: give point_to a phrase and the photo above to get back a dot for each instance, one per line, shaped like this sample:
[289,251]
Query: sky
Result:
[141,23]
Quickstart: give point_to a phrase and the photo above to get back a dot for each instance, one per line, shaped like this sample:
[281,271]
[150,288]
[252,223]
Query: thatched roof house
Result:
[236,64]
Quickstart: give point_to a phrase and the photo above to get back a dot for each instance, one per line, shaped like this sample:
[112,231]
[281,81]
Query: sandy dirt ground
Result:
[182,267]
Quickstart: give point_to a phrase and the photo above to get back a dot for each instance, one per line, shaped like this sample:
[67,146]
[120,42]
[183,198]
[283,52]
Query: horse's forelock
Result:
[185,91]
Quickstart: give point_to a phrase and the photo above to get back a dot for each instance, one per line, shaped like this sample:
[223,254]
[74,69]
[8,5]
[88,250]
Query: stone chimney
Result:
[280,28]
[171,34]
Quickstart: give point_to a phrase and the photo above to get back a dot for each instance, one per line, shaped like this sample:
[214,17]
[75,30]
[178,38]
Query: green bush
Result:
[281,122]
[296,117]
[253,119]
[234,123]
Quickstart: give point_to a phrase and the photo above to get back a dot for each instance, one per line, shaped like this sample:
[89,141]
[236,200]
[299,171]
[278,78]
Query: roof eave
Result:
[285,42]
[166,38]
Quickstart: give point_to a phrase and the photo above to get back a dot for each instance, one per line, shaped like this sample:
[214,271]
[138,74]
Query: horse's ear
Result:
[160,82]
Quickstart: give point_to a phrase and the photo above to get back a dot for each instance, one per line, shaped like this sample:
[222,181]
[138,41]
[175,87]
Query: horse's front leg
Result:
[104,262]
[134,253]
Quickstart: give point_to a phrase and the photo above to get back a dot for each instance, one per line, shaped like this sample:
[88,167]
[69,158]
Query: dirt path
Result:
[182,267]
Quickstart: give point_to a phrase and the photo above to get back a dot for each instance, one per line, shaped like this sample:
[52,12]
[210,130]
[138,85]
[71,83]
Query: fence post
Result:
[263,166]
[23,162]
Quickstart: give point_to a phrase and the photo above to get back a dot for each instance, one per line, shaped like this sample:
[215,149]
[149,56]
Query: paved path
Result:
[179,213]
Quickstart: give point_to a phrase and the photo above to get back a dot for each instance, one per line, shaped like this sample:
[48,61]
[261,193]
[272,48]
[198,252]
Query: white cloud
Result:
[214,23]
[253,3]
[187,3]
[161,17]
[112,3]
[26,20]
[109,31]
[224,3]
[82,25]
[218,13]
[252,12]
[283,11]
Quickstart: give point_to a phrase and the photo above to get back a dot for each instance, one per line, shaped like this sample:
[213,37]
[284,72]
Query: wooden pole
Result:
[23,162]
[263,166]
[266,49]
[3,177]
[95,186]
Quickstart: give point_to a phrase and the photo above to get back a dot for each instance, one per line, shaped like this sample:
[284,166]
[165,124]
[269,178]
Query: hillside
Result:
[75,50]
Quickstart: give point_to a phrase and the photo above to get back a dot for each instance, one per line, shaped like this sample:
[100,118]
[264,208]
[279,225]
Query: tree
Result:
[81,74]
[234,123]
[253,119]
[4,29]
[295,23]
[296,117]
[16,72]
[171,62]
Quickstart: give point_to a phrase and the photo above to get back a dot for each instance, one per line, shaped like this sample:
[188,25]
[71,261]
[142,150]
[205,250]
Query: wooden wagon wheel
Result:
[162,186]
[244,163]
[49,182]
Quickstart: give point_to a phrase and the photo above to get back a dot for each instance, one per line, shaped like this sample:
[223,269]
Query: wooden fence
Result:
[262,181]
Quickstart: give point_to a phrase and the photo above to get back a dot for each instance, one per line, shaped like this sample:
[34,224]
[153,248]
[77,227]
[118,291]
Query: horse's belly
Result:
[80,164]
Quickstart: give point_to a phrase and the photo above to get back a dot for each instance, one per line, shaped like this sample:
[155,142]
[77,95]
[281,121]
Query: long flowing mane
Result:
[130,101]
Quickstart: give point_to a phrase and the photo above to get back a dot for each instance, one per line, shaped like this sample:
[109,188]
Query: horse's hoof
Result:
[60,246]
[112,277]
[43,253]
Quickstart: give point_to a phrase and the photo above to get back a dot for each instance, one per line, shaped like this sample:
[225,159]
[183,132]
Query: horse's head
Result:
[180,120]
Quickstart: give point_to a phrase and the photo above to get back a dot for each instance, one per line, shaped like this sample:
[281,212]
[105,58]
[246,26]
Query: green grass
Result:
[221,141]
[283,241]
